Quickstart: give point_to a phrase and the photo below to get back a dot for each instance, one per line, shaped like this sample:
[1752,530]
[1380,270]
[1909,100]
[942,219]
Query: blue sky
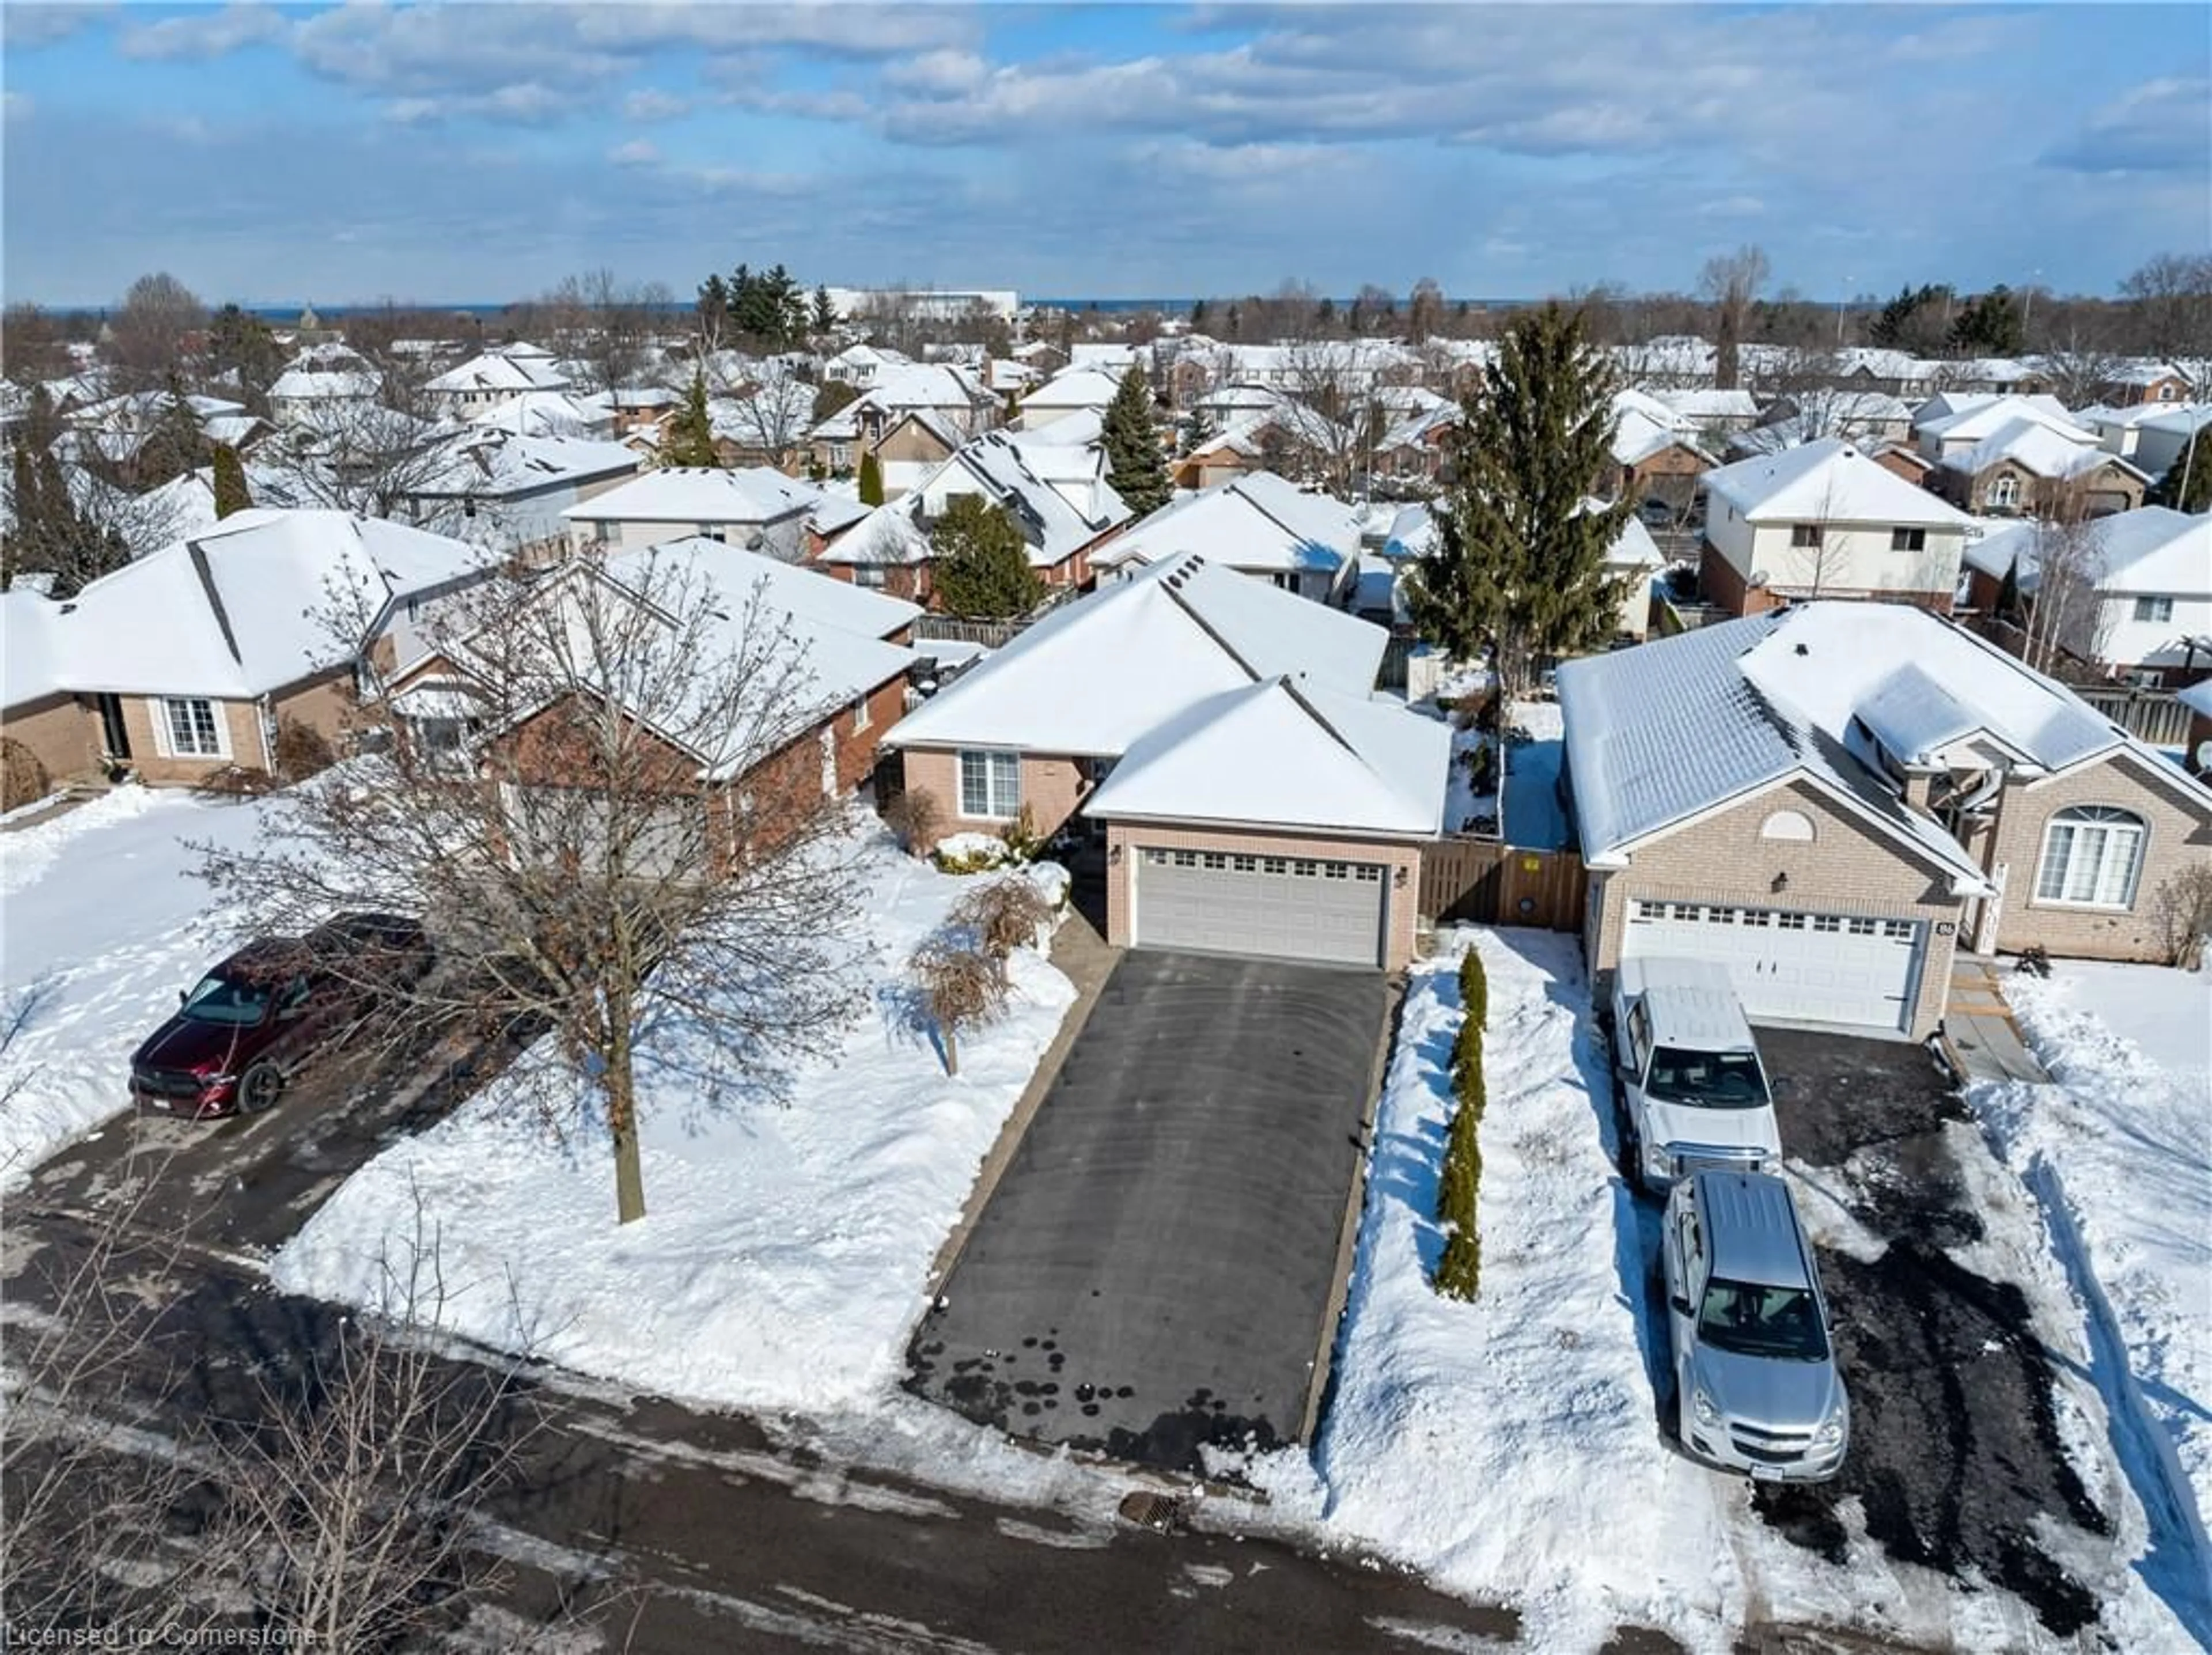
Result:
[480,152]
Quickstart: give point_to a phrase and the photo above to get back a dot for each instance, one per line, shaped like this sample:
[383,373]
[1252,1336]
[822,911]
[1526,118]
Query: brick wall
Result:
[1052,787]
[61,733]
[1402,885]
[324,705]
[1847,868]
[241,720]
[2179,837]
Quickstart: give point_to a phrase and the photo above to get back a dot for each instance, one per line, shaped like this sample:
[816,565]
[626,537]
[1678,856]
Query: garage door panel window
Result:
[991,786]
[1850,970]
[2092,855]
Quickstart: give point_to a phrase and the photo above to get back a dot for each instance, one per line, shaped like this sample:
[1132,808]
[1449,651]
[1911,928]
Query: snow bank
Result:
[2124,1130]
[1510,1446]
[104,922]
[783,1257]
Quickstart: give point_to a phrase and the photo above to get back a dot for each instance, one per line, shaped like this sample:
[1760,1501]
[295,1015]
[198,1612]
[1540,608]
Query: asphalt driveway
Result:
[1154,1271]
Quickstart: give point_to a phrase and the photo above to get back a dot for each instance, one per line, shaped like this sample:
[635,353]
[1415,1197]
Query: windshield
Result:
[1762,1321]
[1710,1080]
[226,1000]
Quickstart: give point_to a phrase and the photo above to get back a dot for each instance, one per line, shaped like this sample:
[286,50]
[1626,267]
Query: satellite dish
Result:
[1759,577]
[2204,755]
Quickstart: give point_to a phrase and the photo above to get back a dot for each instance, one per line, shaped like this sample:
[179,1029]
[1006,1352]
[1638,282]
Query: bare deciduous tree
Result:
[607,324]
[642,851]
[1004,914]
[2067,619]
[151,329]
[961,987]
[1730,283]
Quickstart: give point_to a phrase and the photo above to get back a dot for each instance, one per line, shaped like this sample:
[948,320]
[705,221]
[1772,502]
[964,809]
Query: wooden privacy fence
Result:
[2152,715]
[1482,882]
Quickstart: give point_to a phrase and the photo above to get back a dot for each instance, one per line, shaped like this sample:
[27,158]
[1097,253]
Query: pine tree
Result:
[872,480]
[825,313]
[231,494]
[2007,605]
[983,570]
[691,432]
[2187,485]
[23,504]
[1519,564]
[1134,464]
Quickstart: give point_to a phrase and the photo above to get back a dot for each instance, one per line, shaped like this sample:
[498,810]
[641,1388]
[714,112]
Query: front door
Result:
[114,734]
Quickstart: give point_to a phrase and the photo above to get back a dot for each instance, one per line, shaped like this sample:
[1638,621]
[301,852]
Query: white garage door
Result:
[1791,966]
[1283,906]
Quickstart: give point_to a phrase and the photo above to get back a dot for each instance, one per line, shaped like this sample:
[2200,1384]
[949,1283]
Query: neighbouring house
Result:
[189,660]
[956,401]
[1259,525]
[1288,439]
[861,365]
[1054,490]
[2142,382]
[1957,422]
[1660,457]
[1417,447]
[755,506]
[1831,800]
[2198,750]
[914,445]
[2162,440]
[2118,427]
[2148,616]
[507,493]
[1077,391]
[844,649]
[1910,464]
[1222,737]
[1870,418]
[2027,466]
[634,408]
[491,379]
[1871,368]
[765,423]
[325,385]
[1635,560]
[1711,410]
[547,414]
[1822,520]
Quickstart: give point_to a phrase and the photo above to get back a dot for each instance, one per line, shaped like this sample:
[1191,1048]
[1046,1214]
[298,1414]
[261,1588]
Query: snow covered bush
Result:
[1004,914]
[970,853]
[2183,909]
[1459,1272]
[1473,990]
[300,750]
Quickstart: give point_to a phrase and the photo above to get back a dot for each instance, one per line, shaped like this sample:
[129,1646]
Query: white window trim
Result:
[164,744]
[2152,603]
[861,717]
[992,801]
[2121,824]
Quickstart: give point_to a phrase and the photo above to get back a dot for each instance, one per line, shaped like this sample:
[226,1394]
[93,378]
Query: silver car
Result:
[1691,1086]
[1754,1367]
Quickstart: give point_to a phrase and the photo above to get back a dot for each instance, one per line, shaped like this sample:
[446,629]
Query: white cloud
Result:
[199,34]
[24,28]
[636,153]
[16,105]
[1734,206]
[652,103]
[2158,126]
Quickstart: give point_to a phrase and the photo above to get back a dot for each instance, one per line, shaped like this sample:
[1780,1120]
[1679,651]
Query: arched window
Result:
[2091,854]
[1787,824]
[2005,491]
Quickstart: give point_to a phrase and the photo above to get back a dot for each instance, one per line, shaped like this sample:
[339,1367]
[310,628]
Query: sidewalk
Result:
[1978,1030]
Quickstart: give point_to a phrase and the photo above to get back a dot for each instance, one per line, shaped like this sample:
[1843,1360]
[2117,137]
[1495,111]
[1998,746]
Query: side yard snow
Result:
[783,1257]
[103,923]
[2121,1140]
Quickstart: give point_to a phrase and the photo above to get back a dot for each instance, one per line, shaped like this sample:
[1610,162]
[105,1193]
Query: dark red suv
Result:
[270,1009]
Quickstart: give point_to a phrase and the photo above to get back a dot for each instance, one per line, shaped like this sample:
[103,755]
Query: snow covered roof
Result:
[1978,418]
[1097,675]
[545,413]
[489,464]
[887,535]
[1054,525]
[2152,549]
[1285,752]
[314,385]
[2197,697]
[1709,402]
[1255,522]
[246,607]
[1644,426]
[698,493]
[833,513]
[1633,549]
[32,664]
[2035,448]
[1075,387]
[1828,481]
[1657,733]
[516,368]
[792,588]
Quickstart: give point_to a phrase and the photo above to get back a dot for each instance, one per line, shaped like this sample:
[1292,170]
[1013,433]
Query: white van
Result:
[1692,1090]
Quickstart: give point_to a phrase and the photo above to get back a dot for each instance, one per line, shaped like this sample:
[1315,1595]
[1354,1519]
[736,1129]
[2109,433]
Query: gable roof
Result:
[1828,481]
[793,589]
[1258,521]
[1287,752]
[2151,550]
[2039,448]
[1053,526]
[1977,418]
[517,368]
[1096,675]
[698,493]
[246,607]
[1074,388]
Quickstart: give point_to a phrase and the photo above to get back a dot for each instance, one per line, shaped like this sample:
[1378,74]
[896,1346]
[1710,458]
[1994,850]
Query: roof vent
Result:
[1803,650]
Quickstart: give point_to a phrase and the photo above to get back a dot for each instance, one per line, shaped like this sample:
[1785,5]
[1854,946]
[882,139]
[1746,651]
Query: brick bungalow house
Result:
[844,648]
[1220,735]
[189,660]
[1833,799]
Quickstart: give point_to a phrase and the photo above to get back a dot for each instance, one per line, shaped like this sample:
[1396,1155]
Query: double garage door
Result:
[1788,965]
[1284,907]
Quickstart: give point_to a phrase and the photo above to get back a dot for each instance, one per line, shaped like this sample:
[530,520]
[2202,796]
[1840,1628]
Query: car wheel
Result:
[258,1088]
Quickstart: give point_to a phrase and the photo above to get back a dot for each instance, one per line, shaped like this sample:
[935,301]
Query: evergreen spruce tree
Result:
[2007,605]
[231,494]
[872,480]
[1134,464]
[23,504]
[2187,485]
[983,570]
[691,431]
[1519,564]
[825,313]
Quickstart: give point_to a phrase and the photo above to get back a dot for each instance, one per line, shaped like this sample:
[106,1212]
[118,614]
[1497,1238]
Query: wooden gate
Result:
[1481,882]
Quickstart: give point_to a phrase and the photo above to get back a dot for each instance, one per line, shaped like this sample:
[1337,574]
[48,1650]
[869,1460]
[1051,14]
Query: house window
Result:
[603,531]
[1806,536]
[868,574]
[860,719]
[1787,824]
[2153,609]
[991,785]
[713,532]
[2005,491]
[1908,539]
[193,729]
[2091,855]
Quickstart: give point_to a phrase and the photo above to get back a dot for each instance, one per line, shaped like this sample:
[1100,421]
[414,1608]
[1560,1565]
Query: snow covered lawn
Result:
[101,922]
[783,1257]
[2123,1142]
[1534,819]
